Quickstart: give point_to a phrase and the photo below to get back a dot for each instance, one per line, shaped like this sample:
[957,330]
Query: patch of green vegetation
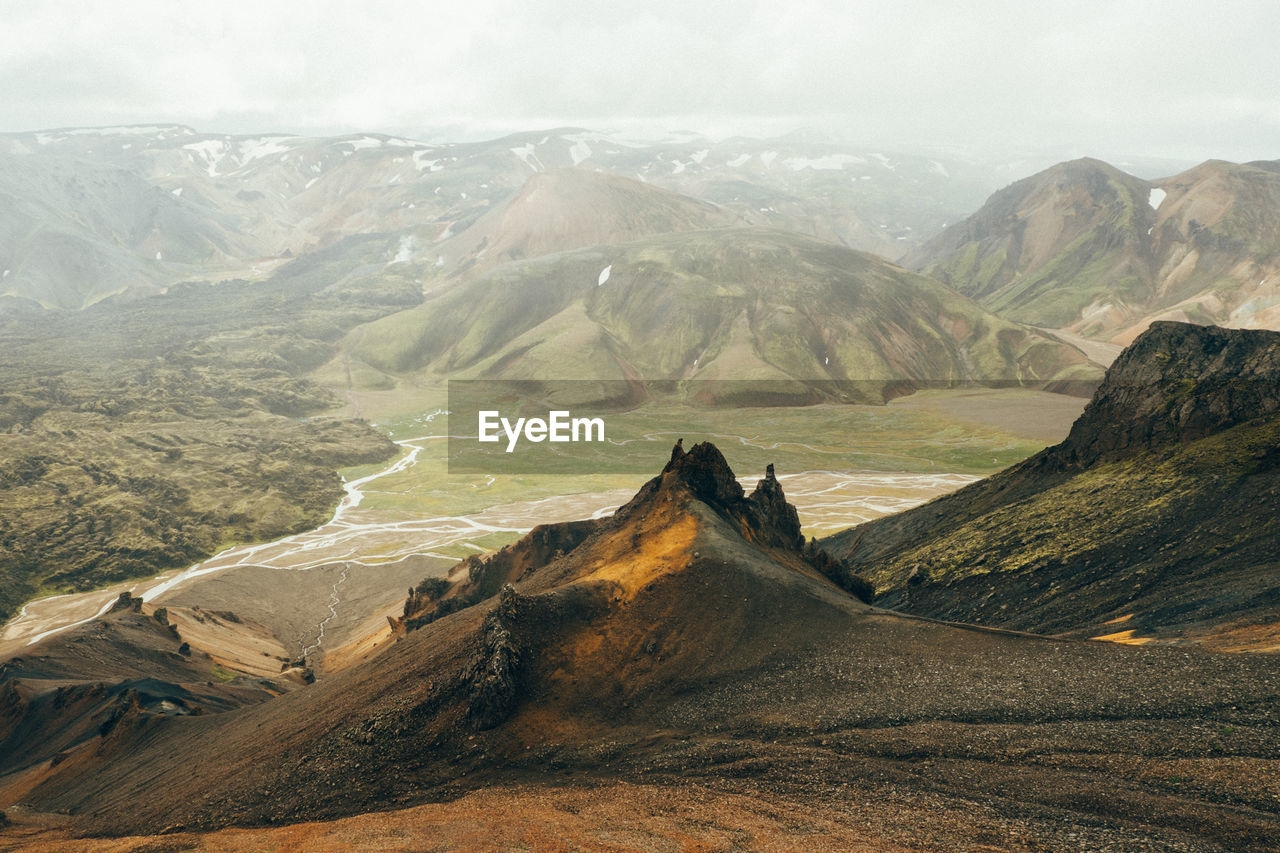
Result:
[1127,219]
[1098,264]
[1198,313]
[1072,281]
[146,435]
[977,269]
[1250,225]
[796,439]
[1224,285]
[734,303]
[992,265]
[221,674]
[1111,507]
[965,263]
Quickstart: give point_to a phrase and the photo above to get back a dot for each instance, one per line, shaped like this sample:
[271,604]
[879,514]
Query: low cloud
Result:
[1179,79]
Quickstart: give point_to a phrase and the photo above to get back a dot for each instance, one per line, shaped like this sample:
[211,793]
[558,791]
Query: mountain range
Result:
[740,304]
[1082,246]
[96,211]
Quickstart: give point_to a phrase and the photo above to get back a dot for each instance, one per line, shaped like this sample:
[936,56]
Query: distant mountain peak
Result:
[1095,251]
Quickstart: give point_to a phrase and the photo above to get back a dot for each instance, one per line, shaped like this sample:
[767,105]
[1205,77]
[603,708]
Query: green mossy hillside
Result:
[714,305]
[137,436]
[1086,247]
[1157,513]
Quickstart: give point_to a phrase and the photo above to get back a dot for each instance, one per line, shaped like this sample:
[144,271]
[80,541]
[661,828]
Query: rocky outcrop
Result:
[1176,383]
[1154,518]
[764,518]
[126,708]
[126,602]
[481,576]
[514,634]
[494,674]
[519,629]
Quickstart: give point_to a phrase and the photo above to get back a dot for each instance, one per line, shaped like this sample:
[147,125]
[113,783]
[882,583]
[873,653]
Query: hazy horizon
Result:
[1120,80]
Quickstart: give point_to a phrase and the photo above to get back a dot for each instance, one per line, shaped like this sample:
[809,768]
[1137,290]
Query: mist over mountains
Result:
[929,360]
[1082,246]
[185,204]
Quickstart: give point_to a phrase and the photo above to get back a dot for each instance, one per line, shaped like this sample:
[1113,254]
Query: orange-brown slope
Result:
[695,637]
[69,694]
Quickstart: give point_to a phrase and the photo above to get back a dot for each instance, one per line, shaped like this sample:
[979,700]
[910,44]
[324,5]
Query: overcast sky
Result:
[1172,78]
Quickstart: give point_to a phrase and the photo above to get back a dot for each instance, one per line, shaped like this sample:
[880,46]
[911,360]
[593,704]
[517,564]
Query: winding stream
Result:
[827,501]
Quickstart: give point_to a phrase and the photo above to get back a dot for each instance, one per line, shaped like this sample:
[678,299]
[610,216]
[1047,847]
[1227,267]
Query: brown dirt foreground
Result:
[612,817]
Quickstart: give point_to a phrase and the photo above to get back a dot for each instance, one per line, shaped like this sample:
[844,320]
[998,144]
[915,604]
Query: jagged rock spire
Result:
[676,453]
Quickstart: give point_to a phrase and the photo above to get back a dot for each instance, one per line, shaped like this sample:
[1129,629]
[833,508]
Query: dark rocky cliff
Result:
[1156,515]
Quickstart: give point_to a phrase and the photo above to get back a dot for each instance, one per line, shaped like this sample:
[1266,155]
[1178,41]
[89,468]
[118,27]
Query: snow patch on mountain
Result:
[423,164]
[262,146]
[404,253]
[162,131]
[529,155]
[579,151]
[1156,198]
[214,151]
[831,162]
[1095,309]
[603,139]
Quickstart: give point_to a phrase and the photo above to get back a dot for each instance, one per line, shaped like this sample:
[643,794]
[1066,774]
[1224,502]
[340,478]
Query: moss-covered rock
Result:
[1157,514]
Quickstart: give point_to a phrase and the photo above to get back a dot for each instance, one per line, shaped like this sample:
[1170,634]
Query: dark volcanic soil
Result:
[693,661]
